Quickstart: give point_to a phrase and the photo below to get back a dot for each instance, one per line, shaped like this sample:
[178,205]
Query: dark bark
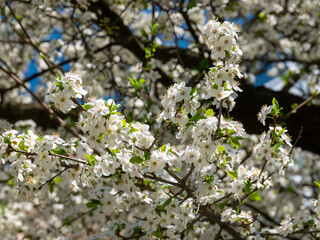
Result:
[13,113]
[249,102]
[124,36]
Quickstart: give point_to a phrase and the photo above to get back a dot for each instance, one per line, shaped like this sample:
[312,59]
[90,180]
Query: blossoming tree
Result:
[149,144]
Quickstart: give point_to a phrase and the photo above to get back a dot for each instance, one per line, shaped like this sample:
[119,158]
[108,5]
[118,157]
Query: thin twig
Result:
[188,174]
[295,143]
[51,179]
[50,153]
[44,105]
[224,197]
[172,174]
[294,110]
[264,165]
[190,225]
[45,58]
[162,180]
[158,136]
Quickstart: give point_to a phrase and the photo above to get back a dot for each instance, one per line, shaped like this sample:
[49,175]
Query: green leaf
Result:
[136,231]
[94,203]
[194,89]
[233,174]
[260,32]
[163,148]
[132,129]
[70,122]
[262,17]
[113,107]
[59,76]
[3,208]
[101,136]
[146,156]
[57,180]
[158,233]
[91,159]
[141,81]
[145,4]
[144,34]
[287,77]
[232,5]
[228,55]
[154,28]
[7,140]
[197,117]
[209,179]
[223,204]
[114,151]
[247,188]
[66,222]
[192,3]
[294,105]
[255,196]
[59,151]
[136,160]
[215,86]
[199,111]
[136,84]
[235,142]
[109,114]
[231,132]
[87,106]
[154,47]
[221,148]
[318,183]
[22,146]
[59,85]
[51,186]
[40,138]
[275,103]
[209,113]
[124,123]
[10,181]
[282,130]
[276,147]
[163,206]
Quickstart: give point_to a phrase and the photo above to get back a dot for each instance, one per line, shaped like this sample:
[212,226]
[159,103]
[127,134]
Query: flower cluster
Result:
[146,190]
[271,148]
[177,97]
[221,39]
[65,90]
[101,122]
[220,80]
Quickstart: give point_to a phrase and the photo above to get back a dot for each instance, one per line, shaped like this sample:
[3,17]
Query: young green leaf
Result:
[233,174]
[59,151]
[136,160]
[22,145]
[91,159]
